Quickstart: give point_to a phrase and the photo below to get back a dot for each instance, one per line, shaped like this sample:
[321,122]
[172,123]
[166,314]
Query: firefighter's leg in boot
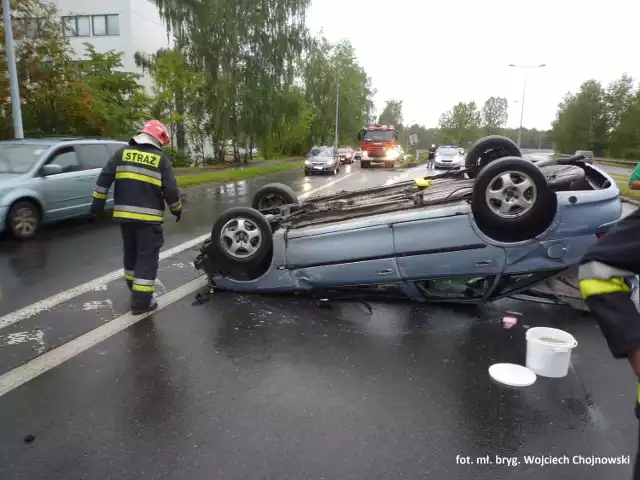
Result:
[150,239]
[130,251]
[610,301]
[636,466]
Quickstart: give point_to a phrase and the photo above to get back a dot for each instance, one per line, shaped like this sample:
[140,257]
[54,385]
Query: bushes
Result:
[178,159]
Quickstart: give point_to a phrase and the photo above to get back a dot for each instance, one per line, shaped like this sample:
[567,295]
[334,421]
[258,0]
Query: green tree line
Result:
[604,119]
[241,72]
[463,124]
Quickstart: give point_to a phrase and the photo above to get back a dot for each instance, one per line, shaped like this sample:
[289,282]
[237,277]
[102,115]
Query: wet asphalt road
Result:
[74,252]
[615,169]
[254,387]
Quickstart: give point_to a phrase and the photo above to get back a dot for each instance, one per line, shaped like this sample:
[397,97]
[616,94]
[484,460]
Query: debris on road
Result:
[509,322]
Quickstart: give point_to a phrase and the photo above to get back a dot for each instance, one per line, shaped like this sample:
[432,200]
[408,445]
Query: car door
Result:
[63,193]
[93,158]
[352,252]
[445,259]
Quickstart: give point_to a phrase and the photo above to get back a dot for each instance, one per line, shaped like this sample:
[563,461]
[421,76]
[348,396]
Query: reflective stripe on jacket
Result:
[143,181]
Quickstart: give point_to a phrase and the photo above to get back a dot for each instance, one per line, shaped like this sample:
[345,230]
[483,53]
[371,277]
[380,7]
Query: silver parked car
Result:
[48,180]
[495,228]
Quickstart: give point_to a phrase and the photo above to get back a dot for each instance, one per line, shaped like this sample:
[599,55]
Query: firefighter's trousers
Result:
[142,243]
[610,300]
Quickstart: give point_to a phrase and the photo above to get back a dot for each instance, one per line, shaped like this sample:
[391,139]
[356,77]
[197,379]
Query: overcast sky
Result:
[433,54]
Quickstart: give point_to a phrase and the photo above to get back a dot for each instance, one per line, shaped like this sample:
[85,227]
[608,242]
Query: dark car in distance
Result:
[589,157]
[322,160]
[346,155]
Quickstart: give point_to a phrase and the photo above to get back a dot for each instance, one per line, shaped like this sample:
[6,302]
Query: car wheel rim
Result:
[240,237]
[271,201]
[511,194]
[24,222]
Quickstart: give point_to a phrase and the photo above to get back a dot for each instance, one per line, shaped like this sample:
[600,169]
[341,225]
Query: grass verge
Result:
[616,163]
[623,184]
[228,165]
[409,161]
[190,180]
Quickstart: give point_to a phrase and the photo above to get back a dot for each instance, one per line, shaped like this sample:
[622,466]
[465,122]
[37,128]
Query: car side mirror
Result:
[359,136]
[51,169]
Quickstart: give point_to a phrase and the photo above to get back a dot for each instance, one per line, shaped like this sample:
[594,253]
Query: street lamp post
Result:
[335,141]
[524,92]
[16,109]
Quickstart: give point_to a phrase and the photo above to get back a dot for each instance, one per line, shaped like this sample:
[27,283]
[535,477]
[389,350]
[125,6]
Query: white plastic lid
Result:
[512,375]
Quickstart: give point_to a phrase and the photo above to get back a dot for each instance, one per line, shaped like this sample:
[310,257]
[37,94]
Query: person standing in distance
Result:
[143,180]
[431,156]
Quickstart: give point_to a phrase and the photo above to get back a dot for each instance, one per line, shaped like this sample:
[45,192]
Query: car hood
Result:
[321,159]
[8,179]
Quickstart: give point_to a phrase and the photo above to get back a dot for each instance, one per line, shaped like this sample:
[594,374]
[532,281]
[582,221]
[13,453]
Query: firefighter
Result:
[609,287]
[431,156]
[144,180]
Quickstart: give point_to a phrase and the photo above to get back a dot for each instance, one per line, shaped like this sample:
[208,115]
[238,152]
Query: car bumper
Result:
[378,160]
[446,164]
[316,169]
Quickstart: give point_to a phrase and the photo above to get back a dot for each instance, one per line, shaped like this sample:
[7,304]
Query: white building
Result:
[127,26]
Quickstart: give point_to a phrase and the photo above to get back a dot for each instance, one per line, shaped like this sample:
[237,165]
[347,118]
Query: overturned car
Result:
[496,227]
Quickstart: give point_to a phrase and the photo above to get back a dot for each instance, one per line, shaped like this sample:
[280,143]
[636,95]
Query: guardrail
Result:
[623,162]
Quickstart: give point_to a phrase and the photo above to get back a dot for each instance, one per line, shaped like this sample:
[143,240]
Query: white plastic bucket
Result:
[549,351]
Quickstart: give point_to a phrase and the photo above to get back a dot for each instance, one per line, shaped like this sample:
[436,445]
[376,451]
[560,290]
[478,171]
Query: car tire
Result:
[364,164]
[487,150]
[241,236]
[276,193]
[23,220]
[491,196]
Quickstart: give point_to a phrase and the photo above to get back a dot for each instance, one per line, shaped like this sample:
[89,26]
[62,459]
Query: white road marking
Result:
[48,303]
[100,282]
[18,338]
[39,365]
[326,185]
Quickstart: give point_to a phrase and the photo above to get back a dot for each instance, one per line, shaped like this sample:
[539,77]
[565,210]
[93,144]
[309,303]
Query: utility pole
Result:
[337,104]
[16,108]
[526,68]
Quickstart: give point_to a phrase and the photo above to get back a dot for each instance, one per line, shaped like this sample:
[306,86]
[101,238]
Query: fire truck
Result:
[379,144]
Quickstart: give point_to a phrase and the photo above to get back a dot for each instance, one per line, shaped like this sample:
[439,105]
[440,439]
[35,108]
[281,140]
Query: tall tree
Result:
[494,114]
[54,99]
[461,124]
[247,51]
[392,114]
[581,121]
[176,87]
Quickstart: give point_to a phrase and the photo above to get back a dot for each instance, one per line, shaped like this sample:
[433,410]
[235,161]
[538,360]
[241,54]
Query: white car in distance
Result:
[448,156]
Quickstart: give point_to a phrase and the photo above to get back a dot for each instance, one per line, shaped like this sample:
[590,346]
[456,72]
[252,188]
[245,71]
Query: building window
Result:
[77,26]
[105,25]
